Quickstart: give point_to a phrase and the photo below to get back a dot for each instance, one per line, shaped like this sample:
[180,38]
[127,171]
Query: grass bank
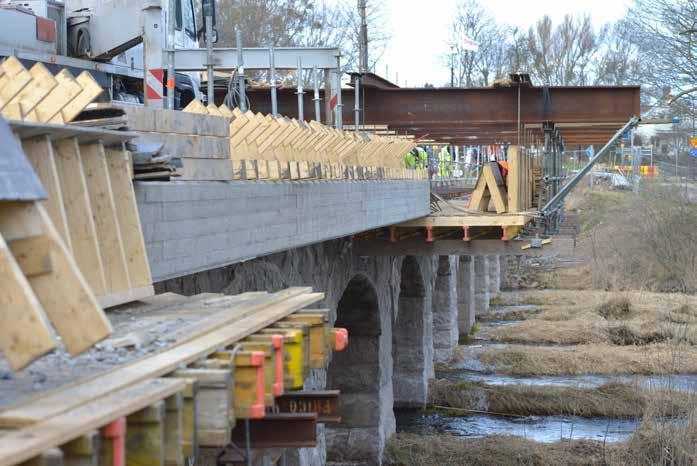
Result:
[616,400]
[612,318]
[656,442]
[447,450]
[599,359]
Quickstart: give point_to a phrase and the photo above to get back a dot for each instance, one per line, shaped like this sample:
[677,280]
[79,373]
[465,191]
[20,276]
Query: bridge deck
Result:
[455,214]
[191,226]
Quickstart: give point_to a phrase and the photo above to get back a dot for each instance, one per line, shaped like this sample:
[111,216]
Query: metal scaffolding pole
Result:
[357,104]
[339,105]
[316,99]
[240,73]
[209,55]
[272,78]
[170,53]
[552,204]
[299,78]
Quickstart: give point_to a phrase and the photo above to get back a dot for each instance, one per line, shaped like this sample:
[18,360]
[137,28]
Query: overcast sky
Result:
[420,30]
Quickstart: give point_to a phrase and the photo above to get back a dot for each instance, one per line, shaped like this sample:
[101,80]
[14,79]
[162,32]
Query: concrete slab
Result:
[191,226]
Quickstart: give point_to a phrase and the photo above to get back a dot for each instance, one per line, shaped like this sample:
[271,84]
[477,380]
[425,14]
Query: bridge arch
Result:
[356,372]
[410,333]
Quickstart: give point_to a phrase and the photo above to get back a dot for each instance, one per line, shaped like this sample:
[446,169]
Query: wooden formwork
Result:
[186,397]
[267,147]
[42,290]
[39,96]
[521,183]
[91,201]
[511,194]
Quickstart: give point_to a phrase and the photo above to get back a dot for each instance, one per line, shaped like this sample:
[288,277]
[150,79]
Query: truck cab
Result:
[104,37]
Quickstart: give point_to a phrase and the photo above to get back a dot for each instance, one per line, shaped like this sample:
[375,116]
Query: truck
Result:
[108,38]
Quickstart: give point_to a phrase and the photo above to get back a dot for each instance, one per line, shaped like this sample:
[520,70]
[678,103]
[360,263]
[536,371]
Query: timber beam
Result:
[446,247]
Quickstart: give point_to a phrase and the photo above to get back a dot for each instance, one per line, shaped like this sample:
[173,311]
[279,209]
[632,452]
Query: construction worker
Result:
[422,157]
[445,160]
[411,158]
[422,160]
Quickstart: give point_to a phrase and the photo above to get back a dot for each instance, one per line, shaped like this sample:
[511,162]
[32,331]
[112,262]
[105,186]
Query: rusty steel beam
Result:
[324,403]
[279,430]
[446,106]
[491,114]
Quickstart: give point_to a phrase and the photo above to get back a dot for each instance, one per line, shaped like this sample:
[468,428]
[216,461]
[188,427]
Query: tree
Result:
[265,22]
[617,63]
[518,56]
[562,56]
[473,21]
[378,35]
[665,35]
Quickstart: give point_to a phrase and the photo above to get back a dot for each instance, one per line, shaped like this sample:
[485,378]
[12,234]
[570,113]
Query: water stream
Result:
[538,428]
[682,382]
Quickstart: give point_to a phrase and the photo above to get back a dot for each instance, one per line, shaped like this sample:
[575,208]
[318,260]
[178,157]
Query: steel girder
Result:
[584,115]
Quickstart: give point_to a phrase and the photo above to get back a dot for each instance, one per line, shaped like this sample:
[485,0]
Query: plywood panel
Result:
[118,161]
[104,216]
[39,152]
[24,333]
[83,235]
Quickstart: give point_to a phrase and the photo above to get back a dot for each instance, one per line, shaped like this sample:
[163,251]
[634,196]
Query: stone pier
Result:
[481,284]
[505,284]
[465,295]
[494,275]
[445,309]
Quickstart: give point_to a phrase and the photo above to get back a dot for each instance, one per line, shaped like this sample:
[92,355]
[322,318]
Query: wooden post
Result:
[145,436]
[214,405]
[83,451]
[174,430]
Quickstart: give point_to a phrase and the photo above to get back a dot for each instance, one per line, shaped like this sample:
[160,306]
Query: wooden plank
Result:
[151,120]
[225,111]
[205,169]
[250,318]
[27,443]
[126,296]
[60,96]
[118,161]
[514,187]
[24,102]
[196,106]
[479,201]
[76,200]
[213,110]
[188,145]
[90,91]
[105,220]
[473,220]
[32,254]
[14,78]
[24,333]
[497,188]
[40,153]
[64,294]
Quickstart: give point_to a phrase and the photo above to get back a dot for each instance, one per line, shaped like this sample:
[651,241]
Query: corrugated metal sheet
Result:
[18,182]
